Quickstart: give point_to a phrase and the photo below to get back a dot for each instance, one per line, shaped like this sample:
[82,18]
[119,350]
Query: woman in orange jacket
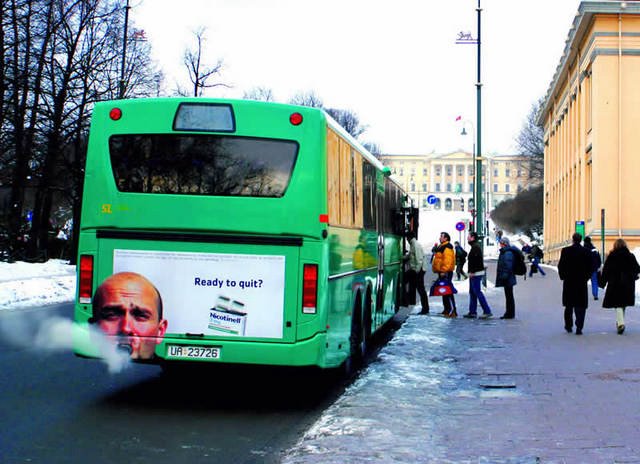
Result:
[444,263]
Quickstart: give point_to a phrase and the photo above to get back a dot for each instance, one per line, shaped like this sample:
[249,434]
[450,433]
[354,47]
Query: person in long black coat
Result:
[574,269]
[619,274]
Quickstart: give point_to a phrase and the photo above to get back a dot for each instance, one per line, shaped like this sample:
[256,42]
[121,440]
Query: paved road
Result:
[57,408]
[497,391]
[575,397]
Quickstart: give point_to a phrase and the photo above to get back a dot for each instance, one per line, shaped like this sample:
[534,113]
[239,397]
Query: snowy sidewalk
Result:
[494,391]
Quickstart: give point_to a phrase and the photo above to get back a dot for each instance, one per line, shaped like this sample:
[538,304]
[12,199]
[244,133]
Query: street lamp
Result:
[467,38]
[475,171]
[478,186]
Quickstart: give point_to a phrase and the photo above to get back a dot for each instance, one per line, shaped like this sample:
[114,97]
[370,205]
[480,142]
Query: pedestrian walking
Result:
[461,258]
[443,264]
[505,275]
[476,273]
[596,262]
[619,274]
[416,274]
[536,257]
[574,269]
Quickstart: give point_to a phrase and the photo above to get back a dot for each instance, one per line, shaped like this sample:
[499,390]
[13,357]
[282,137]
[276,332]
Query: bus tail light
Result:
[85,286]
[295,119]
[115,114]
[310,289]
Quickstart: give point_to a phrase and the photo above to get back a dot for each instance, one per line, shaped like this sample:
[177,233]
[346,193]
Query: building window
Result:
[495,172]
[458,188]
[495,188]
[589,97]
[424,171]
[424,187]
[413,187]
[460,170]
[589,189]
[448,204]
[449,170]
[401,171]
[437,186]
[519,174]
[413,171]
[448,187]
[507,187]
[424,203]
[519,188]
[471,187]
[438,170]
[470,170]
[507,172]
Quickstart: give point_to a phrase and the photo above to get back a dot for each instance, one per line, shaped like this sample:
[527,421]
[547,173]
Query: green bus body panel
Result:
[296,213]
[346,258]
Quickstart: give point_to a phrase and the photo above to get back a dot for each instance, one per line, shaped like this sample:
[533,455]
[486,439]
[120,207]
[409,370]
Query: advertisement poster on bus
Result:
[213,294]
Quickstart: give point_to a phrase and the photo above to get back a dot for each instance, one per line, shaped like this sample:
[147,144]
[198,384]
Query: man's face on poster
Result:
[129,306]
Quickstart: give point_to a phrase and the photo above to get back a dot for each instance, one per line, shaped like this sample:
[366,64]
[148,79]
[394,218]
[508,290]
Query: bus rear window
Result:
[202,164]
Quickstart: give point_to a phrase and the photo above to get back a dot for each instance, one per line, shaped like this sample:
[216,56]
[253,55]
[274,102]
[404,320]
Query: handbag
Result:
[601,281]
[442,287]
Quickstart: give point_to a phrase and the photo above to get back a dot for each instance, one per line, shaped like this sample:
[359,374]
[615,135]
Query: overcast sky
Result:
[395,64]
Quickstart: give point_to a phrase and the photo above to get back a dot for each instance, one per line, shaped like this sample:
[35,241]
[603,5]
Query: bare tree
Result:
[373,148]
[307,98]
[259,94]
[199,73]
[530,141]
[58,58]
[349,120]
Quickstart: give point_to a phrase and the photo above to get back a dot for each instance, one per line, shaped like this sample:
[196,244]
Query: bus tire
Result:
[367,321]
[357,344]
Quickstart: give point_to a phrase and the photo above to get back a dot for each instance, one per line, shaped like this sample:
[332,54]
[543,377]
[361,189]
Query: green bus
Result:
[234,231]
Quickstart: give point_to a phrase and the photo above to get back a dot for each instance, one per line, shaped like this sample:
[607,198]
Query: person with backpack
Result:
[476,273]
[461,258]
[574,269]
[536,257]
[510,263]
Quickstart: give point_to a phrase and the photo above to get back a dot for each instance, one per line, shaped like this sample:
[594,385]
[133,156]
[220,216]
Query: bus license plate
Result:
[192,352]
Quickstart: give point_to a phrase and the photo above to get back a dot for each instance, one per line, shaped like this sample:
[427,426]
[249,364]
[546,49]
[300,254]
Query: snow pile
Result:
[24,285]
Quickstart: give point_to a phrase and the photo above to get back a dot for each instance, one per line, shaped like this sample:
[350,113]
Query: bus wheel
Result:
[357,343]
[367,322]
[399,296]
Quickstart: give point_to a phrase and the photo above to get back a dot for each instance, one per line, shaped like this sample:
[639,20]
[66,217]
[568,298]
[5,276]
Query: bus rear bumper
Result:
[310,352]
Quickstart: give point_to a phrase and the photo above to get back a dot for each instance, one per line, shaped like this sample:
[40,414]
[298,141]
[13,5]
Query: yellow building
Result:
[591,118]
[450,178]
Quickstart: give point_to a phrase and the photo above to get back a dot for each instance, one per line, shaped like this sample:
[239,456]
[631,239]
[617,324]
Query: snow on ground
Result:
[24,285]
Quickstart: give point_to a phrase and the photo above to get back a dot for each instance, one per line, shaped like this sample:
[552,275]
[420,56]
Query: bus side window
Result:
[369,195]
[344,182]
[333,177]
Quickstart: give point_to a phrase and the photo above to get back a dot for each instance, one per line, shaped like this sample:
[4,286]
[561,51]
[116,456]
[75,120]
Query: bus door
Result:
[380,231]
